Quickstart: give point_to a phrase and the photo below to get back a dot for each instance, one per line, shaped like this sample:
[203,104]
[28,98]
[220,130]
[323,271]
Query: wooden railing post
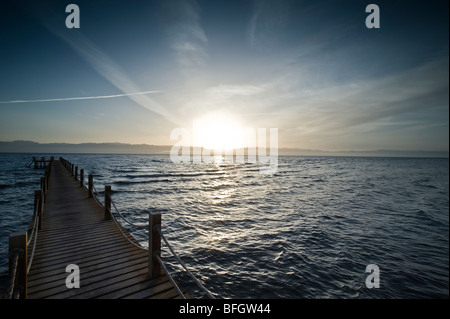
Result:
[107,202]
[72,168]
[154,245]
[18,245]
[91,185]
[76,172]
[81,177]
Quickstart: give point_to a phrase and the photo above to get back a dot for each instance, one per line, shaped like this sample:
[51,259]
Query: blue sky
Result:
[135,70]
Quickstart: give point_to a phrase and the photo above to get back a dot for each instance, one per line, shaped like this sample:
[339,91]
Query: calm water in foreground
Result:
[308,231]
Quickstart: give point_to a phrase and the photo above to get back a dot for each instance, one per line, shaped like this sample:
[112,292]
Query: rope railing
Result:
[35,221]
[19,242]
[35,232]
[13,274]
[197,282]
[158,229]
[95,192]
[123,217]
[127,238]
[180,293]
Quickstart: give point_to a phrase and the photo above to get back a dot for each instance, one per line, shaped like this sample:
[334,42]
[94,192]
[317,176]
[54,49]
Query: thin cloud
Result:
[367,103]
[267,19]
[105,66]
[80,98]
[226,91]
[188,39]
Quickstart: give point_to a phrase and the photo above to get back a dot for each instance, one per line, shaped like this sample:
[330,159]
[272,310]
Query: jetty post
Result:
[18,264]
[91,185]
[81,177]
[154,245]
[107,202]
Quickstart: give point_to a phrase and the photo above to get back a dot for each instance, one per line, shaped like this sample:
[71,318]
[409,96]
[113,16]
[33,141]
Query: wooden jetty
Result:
[75,239]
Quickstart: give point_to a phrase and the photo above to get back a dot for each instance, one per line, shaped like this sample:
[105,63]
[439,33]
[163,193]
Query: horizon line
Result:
[280,148]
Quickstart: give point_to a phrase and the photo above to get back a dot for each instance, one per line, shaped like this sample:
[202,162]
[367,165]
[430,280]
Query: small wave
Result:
[142,182]
[144,176]
[425,182]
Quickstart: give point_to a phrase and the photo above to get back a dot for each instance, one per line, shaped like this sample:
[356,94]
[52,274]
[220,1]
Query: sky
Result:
[136,70]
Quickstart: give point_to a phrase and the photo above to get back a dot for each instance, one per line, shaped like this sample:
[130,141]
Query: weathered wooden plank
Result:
[52,268]
[121,291]
[108,288]
[150,291]
[92,285]
[87,278]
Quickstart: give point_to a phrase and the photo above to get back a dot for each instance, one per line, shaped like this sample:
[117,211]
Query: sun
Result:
[218,131]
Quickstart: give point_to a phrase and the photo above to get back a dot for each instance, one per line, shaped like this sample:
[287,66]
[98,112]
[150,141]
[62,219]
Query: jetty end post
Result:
[91,185]
[154,245]
[107,202]
[18,246]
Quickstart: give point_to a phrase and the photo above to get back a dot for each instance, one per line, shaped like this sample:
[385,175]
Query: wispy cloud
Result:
[413,97]
[105,66]
[268,18]
[226,91]
[188,39]
[80,98]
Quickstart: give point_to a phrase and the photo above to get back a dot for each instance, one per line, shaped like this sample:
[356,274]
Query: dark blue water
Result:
[308,231]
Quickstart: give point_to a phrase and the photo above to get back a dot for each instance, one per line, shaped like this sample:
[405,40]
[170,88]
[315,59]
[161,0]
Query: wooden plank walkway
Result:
[73,231]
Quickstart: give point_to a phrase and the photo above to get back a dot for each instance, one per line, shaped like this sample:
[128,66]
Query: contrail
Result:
[102,64]
[80,98]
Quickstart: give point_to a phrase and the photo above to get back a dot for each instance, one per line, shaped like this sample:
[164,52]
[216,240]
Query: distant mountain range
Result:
[123,148]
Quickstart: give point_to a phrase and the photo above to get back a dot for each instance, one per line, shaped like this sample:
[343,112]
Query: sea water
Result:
[307,231]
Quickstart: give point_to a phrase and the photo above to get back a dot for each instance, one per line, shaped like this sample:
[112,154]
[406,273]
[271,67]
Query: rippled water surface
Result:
[308,231]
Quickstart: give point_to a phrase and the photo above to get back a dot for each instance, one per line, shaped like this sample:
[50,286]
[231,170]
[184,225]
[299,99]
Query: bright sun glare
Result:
[218,132]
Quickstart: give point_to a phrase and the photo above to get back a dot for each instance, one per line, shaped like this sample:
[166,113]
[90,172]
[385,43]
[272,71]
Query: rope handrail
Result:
[19,254]
[95,197]
[199,284]
[12,277]
[115,220]
[84,183]
[121,215]
[34,227]
[117,210]
[30,262]
[170,277]
[120,228]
